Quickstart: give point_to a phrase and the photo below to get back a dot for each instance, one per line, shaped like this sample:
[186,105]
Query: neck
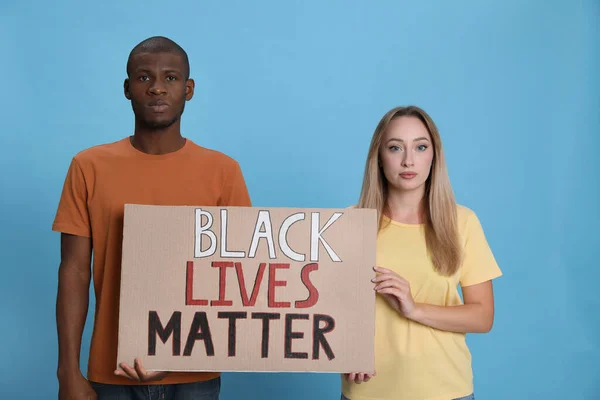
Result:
[157,142]
[406,206]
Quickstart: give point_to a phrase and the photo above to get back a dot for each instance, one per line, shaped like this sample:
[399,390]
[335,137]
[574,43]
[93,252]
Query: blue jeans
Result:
[469,397]
[208,390]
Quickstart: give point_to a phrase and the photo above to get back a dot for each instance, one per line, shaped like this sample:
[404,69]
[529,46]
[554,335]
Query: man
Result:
[156,165]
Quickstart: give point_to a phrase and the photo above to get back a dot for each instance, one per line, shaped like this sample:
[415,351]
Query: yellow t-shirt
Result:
[414,361]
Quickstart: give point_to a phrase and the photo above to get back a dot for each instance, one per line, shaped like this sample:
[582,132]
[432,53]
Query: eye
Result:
[394,148]
[422,147]
[144,78]
[171,78]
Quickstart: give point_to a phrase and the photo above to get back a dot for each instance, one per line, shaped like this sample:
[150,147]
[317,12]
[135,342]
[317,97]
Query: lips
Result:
[408,175]
[158,106]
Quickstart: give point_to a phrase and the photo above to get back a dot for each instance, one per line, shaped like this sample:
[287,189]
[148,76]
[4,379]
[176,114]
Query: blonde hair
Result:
[440,219]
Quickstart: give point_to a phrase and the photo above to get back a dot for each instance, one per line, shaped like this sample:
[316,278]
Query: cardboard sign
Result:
[248,289]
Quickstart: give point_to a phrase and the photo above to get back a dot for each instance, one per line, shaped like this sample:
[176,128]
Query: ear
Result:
[189,89]
[126,89]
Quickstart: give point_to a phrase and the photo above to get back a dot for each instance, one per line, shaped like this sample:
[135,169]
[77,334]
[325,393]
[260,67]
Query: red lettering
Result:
[222,265]
[257,282]
[313,295]
[189,288]
[273,283]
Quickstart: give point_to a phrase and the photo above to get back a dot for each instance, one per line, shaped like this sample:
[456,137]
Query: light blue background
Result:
[293,90]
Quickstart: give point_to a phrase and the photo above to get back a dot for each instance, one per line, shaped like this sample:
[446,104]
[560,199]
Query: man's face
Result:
[158,89]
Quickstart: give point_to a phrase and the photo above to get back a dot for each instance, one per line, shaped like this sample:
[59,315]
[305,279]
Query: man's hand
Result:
[138,372]
[75,388]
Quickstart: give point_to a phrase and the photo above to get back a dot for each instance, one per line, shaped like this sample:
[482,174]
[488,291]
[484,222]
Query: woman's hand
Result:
[396,290]
[359,377]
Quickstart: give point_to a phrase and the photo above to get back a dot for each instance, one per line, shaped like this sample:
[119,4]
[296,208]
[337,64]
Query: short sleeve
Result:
[235,192]
[479,263]
[72,215]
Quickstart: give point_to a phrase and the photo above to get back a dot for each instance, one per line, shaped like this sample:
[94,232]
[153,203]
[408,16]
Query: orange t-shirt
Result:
[99,182]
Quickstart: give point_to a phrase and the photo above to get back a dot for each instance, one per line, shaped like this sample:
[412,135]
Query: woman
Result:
[427,245]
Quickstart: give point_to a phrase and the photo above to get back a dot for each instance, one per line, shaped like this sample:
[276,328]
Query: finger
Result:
[351,377]
[131,372]
[392,291]
[385,271]
[146,376]
[140,370]
[367,377]
[389,277]
[157,375]
[404,281]
[391,283]
[360,378]
[382,270]
[127,372]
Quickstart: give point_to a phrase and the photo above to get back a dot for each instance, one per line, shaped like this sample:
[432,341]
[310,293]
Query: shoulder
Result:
[212,156]
[464,213]
[468,220]
[101,151]
[465,217]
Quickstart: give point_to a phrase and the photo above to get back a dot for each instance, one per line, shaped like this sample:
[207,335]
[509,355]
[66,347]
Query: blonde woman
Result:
[427,246]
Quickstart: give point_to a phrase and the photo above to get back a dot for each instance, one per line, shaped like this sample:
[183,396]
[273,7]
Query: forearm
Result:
[71,311]
[467,318]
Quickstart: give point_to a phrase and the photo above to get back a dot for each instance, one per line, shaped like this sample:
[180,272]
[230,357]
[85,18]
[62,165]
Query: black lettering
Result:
[155,328]
[319,335]
[233,316]
[290,335]
[266,318]
[199,331]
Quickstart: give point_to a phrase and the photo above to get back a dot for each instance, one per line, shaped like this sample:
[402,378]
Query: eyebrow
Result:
[166,70]
[402,141]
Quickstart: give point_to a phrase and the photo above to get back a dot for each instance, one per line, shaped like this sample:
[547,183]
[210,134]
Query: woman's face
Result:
[406,154]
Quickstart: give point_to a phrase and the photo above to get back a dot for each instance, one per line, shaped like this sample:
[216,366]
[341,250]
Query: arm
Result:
[71,310]
[476,315]
[478,269]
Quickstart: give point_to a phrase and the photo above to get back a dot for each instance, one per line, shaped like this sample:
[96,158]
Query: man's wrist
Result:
[68,371]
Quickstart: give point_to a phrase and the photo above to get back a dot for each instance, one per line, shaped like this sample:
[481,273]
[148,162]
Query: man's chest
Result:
[110,192]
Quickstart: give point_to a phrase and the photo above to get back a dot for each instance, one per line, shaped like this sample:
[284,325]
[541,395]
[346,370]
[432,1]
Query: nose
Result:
[407,160]
[157,88]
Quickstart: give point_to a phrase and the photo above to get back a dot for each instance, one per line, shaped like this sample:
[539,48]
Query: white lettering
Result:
[285,248]
[204,230]
[224,251]
[315,237]
[264,218]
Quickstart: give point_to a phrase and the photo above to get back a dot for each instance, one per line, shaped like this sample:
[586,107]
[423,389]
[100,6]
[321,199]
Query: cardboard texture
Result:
[248,289]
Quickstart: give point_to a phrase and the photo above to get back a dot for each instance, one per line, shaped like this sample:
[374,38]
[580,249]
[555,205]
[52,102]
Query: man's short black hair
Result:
[159,44]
